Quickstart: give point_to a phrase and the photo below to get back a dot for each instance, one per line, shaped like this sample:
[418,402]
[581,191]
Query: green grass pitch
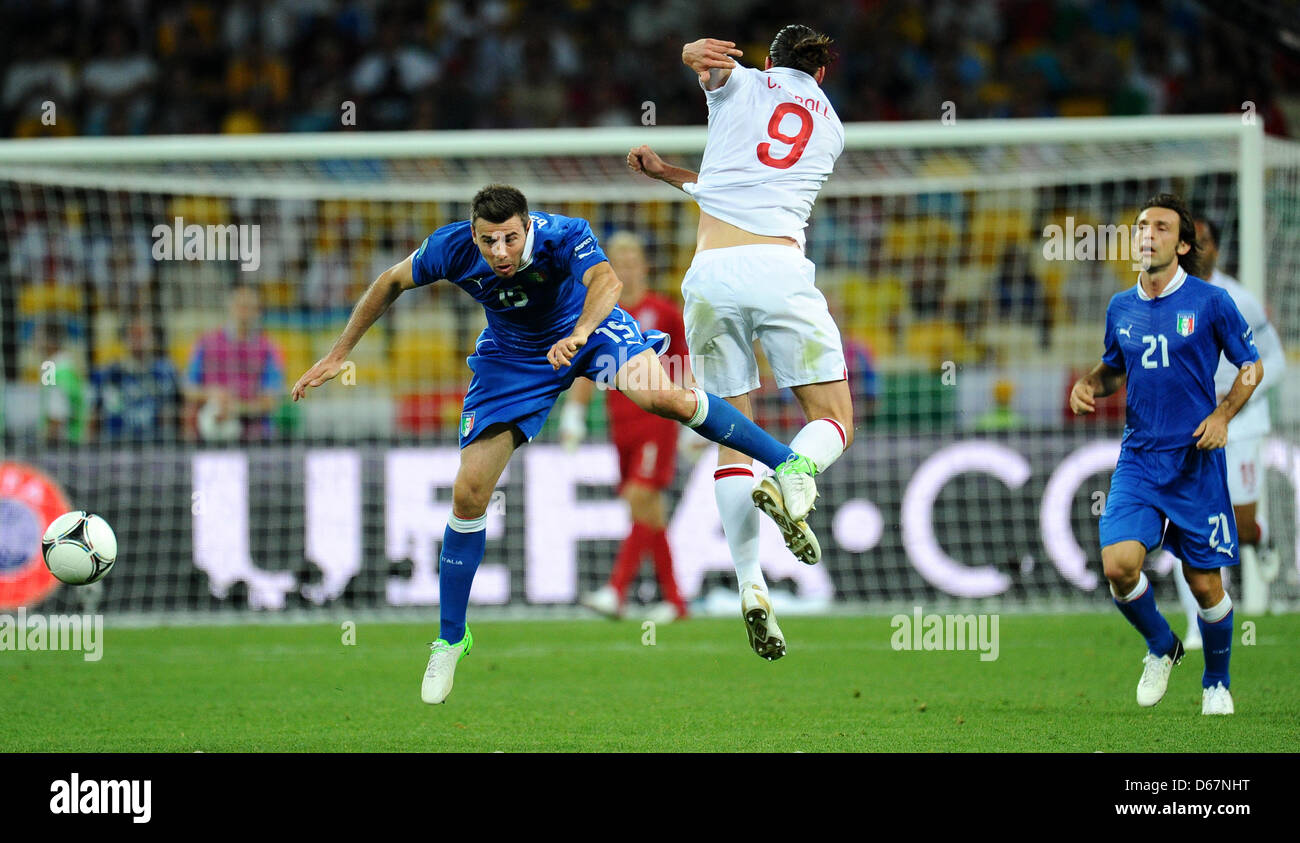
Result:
[1060,683]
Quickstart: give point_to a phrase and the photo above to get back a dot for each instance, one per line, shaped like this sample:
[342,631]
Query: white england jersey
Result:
[1252,419]
[773,141]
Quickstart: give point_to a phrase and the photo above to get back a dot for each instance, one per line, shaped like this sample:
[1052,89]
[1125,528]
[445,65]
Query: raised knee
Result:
[1120,571]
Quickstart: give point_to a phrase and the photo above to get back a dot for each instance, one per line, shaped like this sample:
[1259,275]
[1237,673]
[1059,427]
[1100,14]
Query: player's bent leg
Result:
[1122,563]
[829,431]
[829,409]
[463,543]
[733,483]
[644,381]
[1215,620]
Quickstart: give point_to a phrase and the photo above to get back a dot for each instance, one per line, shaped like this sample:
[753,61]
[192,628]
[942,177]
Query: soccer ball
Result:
[79,548]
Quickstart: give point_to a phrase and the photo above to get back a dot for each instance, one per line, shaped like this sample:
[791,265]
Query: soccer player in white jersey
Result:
[773,141]
[1249,428]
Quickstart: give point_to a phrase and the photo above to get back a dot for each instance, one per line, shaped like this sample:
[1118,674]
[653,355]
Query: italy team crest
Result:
[466,423]
[1186,323]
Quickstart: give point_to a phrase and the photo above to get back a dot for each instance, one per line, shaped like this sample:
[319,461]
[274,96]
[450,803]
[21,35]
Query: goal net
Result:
[968,266]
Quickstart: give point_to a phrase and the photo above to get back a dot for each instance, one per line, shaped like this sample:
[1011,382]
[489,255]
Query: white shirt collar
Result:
[1179,277]
[528,243]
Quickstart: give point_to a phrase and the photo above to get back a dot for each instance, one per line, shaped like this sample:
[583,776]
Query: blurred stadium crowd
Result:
[149,67]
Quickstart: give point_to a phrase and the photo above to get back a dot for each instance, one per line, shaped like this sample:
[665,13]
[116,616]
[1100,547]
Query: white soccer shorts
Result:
[1245,469]
[734,295]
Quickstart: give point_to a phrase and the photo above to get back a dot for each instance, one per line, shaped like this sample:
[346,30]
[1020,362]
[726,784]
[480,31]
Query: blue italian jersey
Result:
[1169,347]
[539,305]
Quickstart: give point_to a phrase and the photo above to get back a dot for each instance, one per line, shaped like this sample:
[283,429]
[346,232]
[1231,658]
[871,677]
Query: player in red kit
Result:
[647,448]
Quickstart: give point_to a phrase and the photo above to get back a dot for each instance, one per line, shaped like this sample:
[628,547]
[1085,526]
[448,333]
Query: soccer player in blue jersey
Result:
[551,302]
[1164,336]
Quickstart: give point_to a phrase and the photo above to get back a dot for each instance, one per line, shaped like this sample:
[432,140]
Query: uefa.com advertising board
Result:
[1011,516]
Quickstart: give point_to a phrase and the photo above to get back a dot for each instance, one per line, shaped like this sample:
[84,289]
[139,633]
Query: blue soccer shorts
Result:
[1178,499]
[510,389]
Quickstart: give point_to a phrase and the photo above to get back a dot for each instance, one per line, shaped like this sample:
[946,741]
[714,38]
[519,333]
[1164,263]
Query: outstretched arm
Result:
[710,59]
[646,161]
[378,296]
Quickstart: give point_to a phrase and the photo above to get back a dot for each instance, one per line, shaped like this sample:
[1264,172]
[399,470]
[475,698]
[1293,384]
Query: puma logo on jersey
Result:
[1125,332]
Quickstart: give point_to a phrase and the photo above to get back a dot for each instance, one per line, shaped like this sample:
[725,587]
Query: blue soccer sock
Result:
[1139,606]
[462,549]
[1216,636]
[720,422]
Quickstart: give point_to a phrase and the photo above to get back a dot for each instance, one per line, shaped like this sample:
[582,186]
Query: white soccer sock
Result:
[821,440]
[733,487]
[1135,593]
[467,525]
[1218,612]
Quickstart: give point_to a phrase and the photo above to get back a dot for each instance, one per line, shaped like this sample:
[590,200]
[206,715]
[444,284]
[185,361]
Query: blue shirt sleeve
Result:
[1235,336]
[429,264]
[580,248]
[1114,354]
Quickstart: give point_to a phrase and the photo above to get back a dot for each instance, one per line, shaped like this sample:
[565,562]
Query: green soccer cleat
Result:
[798,489]
[442,667]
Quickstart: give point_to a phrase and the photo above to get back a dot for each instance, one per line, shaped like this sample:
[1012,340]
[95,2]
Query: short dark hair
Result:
[801,48]
[1190,262]
[497,203]
[1212,227]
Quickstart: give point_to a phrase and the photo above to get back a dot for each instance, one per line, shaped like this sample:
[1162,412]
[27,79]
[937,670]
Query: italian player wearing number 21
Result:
[773,141]
[550,298]
[1164,336]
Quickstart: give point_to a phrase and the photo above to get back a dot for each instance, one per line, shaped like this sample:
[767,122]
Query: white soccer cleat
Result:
[798,536]
[1155,676]
[798,489]
[603,600]
[1216,700]
[442,668]
[760,622]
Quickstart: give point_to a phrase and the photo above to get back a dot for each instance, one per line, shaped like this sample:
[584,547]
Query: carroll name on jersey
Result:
[1169,347]
[773,142]
[539,305]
